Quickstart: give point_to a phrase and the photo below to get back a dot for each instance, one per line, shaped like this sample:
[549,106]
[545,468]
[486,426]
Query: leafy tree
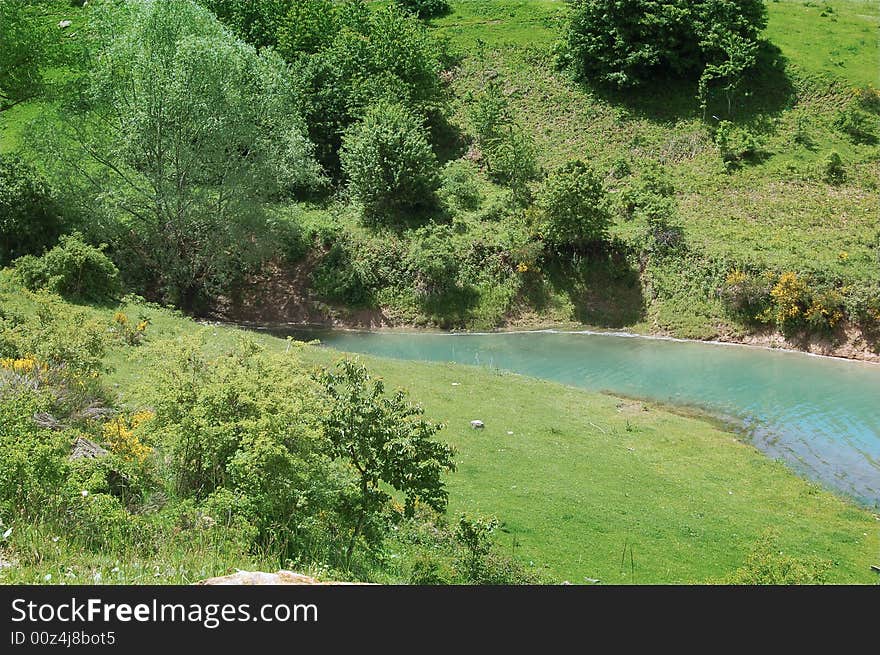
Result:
[374,55]
[30,218]
[389,162]
[572,207]
[23,51]
[625,43]
[175,138]
[386,441]
[308,27]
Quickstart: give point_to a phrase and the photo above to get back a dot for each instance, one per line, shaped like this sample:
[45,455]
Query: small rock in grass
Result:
[64,24]
[477,425]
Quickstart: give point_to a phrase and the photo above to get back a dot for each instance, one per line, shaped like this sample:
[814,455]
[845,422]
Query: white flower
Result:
[47,577]
[115,569]
[84,493]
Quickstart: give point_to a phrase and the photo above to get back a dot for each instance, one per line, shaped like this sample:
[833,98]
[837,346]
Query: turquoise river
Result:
[820,415]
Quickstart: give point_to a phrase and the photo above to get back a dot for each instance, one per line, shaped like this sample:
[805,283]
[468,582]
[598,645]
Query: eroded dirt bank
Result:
[281,298]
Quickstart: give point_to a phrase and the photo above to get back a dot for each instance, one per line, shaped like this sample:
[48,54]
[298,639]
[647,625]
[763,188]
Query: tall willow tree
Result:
[176,136]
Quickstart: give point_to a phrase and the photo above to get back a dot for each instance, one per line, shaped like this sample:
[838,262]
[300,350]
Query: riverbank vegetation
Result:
[192,450]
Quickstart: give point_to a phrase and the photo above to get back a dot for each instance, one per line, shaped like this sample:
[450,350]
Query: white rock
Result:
[477,425]
[65,24]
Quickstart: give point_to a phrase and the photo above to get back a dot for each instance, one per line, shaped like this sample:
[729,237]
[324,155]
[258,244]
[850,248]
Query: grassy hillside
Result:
[772,212]
[575,478]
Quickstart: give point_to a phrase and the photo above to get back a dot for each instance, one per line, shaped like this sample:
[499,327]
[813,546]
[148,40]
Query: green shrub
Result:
[768,564]
[73,269]
[459,188]
[434,260]
[572,207]
[32,459]
[628,43]
[735,144]
[833,170]
[30,220]
[344,276]
[389,163]
[860,126]
[425,8]
[746,295]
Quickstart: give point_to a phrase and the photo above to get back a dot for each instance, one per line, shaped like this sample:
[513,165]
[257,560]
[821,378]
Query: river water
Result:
[820,415]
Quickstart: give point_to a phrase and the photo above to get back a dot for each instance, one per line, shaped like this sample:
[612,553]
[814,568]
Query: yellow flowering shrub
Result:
[119,433]
[23,365]
[122,327]
[791,297]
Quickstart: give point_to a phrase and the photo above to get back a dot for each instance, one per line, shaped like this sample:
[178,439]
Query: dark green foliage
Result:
[736,145]
[833,170]
[254,21]
[425,8]
[72,269]
[572,209]
[30,219]
[24,51]
[389,163]
[859,125]
[460,189]
[308,26]
[626,43]
[385,441]
[373,55]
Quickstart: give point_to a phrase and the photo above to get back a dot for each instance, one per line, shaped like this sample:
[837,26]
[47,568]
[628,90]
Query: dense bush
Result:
[434,260]
[859,125]
[254,21]
[736,145]
[374,55]
[389,163]
[308,26]
[747,295]
[833,170]
[72,269]
[628,43]
[30,219]
[572,207]
[460,189]
[426,8]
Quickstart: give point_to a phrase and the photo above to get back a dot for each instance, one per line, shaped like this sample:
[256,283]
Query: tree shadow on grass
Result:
[766,92]
[603,287]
